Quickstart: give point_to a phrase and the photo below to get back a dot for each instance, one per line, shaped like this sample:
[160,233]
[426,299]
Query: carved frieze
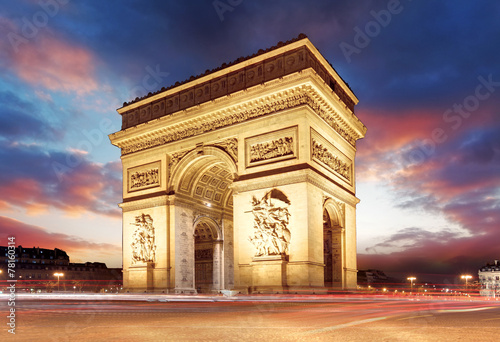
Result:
[143,239]
[271,147]
[234,117]
[271,235]
[332,158]
[144,177]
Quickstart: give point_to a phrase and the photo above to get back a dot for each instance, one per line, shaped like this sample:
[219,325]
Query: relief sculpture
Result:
[271,218]
[322,154]
[143,239]
[271,149]
[175,158]
[230,146]
[144,178]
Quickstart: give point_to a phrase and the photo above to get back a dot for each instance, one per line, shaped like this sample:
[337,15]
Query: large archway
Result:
[202,186]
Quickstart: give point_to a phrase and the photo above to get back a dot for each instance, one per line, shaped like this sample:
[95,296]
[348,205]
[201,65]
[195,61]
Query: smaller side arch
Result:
[336,211]
[208,255]
[334,243]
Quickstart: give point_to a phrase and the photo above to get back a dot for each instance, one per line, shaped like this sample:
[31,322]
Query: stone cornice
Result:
[144,203]
[303,94]
[179,201]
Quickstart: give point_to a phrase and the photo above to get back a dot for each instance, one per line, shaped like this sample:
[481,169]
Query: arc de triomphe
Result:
[242,178]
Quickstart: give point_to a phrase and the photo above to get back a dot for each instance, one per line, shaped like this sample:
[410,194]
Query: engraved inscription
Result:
[271,149]
[322,154]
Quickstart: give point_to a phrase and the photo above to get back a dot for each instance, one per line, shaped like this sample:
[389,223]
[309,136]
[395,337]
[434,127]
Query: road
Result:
[163,318]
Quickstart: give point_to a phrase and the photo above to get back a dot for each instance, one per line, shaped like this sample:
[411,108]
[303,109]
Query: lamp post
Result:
[411,279]
[58,275]
[466,277]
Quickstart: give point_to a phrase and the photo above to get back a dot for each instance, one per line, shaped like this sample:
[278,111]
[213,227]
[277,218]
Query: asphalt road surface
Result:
[251,319]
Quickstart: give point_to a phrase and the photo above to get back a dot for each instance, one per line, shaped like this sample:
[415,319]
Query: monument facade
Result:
[242,178]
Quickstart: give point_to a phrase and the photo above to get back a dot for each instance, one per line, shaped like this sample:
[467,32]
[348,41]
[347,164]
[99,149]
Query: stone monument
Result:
[242,178]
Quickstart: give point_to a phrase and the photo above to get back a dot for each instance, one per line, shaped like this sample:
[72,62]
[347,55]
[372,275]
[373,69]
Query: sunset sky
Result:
[427,74]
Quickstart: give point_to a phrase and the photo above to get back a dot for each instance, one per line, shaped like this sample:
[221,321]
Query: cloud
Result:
[413,237]
[463,171]
[29,235]
[48,62]
[44,96]
[20,120]
[36,179]
[438,257]
[460,180]
[57,66]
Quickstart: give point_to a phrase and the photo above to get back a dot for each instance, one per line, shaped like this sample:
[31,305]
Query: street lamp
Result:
[58,275]
[466,277]
[411,279]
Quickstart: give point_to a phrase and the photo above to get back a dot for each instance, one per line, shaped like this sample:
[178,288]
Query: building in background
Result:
[489,278]
[373,278]
[36,267]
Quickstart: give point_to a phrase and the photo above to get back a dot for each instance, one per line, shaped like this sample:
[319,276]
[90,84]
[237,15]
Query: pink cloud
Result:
[391,131]
[388,133]
[459,179]
[50,63]
[89,187]
[57,66]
